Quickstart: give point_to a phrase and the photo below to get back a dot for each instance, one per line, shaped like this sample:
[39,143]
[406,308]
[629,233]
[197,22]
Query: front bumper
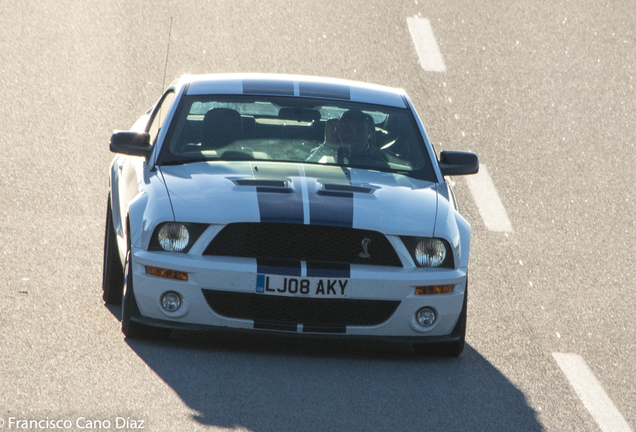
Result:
[239,275]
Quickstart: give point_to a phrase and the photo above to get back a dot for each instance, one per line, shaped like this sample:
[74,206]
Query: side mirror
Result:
[131,143]
[454,163]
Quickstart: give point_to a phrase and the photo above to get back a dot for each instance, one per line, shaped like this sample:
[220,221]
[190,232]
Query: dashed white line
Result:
[481,186]
[591,393]
[425,44]
[488,202]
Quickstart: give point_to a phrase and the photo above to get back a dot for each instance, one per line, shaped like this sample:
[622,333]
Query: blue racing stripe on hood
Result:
[332,208]
[279,205]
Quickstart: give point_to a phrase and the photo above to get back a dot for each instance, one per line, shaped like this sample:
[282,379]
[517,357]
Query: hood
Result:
[258,191]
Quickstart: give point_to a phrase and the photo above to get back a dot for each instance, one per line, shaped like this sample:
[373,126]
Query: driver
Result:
[356,131]
[351,137]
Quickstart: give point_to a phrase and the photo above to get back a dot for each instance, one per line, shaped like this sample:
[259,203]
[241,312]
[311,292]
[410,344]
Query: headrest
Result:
[221,126]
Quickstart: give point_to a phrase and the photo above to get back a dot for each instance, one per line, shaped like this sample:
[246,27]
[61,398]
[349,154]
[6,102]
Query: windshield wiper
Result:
[187,161]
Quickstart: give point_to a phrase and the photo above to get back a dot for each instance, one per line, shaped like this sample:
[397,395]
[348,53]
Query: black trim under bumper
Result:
[454,336]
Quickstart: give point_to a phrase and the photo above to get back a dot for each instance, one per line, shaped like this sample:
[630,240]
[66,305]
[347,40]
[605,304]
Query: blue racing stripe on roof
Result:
[295,85]
[324,90]
[268,87]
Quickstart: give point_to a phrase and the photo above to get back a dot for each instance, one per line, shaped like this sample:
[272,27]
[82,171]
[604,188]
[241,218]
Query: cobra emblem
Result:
[365,248]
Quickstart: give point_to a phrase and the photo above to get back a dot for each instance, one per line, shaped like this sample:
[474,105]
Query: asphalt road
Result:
[543,91]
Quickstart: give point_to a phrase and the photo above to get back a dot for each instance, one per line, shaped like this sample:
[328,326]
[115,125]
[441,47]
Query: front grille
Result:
[311,243]
[284,313]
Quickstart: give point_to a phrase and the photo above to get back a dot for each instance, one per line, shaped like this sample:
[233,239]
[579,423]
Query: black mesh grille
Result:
[312,243]
[283,313]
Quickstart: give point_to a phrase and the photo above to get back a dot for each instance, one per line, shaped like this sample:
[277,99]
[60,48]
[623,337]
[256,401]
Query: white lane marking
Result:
[425,44]
[590,391]
[488,202]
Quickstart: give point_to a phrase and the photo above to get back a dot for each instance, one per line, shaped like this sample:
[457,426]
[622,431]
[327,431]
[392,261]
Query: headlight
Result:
[429,252]
[173,237]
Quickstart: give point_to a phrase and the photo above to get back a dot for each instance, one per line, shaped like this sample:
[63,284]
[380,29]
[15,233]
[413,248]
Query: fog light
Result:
[426,316]
[170,301]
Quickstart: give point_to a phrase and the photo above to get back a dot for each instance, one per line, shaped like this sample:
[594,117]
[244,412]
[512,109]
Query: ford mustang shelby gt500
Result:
[289,205]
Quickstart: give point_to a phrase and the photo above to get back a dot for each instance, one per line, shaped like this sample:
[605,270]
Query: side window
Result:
[159,115]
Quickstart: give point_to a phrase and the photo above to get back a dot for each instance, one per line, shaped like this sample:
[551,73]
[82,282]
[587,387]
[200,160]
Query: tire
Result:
[112,271]
[130,328]
[454,348]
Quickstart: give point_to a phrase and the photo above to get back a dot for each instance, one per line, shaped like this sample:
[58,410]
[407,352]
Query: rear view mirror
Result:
[454,163]
[131,143]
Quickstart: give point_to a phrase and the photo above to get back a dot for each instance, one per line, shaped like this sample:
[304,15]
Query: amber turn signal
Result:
[168,274]
[434,289]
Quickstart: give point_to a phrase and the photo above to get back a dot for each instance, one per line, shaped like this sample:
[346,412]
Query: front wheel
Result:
[454,348]
[112,270]
[130,328]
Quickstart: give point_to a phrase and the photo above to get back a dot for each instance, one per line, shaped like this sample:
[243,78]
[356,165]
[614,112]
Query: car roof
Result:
[294,86]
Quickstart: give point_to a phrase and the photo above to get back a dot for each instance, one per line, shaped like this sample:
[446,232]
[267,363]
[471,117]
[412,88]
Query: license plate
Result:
[302,287]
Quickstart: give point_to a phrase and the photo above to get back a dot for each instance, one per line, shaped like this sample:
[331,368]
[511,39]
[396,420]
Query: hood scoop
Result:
[269,184]
[346,188]
[284,185]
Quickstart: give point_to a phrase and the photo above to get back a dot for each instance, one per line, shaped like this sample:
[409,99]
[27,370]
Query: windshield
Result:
[314,131]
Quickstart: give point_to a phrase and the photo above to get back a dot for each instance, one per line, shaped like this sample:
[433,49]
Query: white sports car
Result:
[286,204]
